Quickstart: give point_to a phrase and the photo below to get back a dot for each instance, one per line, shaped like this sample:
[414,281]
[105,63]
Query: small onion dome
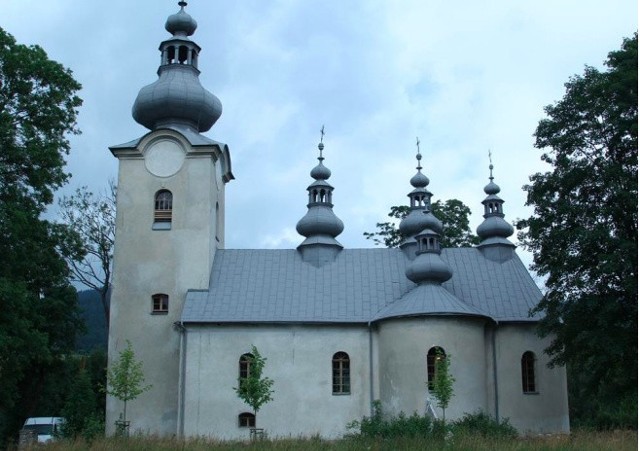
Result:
[428,267]
[419,180]
[320,220]
[320,172]
[181,23]
[491,188]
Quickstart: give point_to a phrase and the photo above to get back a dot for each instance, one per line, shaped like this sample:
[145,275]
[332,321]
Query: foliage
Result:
[584,230]
[377,426]
[254,389]
[125,378]
[477,424]
[453,213]
[442,381]
[93,218]
[92,314]
[481,424]
[80,406]
[39,318]
[97,368]
[597,412]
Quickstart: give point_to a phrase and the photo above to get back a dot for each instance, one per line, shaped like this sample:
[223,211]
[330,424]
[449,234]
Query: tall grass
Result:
[577,441]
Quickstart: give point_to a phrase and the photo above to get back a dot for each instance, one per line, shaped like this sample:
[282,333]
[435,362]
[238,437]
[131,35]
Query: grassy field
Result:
[578,441]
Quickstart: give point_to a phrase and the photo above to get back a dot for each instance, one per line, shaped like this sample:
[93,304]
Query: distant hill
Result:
[93,316]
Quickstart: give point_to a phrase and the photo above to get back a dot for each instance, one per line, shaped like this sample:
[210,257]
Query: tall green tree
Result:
[584,230]
[39,318]
[254,389]
[453,213]
[442,382]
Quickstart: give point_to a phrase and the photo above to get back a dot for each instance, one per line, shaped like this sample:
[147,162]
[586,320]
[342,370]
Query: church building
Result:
[340,328]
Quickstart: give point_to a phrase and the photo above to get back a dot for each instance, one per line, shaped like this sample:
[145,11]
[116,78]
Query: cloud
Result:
[464,77]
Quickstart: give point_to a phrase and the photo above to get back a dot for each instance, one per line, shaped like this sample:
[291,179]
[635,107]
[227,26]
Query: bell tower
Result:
[169,223]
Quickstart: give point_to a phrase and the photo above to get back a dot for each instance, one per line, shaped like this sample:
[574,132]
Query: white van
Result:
[47,428]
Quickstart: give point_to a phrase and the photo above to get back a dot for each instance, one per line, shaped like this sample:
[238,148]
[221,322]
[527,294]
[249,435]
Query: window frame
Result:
[341,374]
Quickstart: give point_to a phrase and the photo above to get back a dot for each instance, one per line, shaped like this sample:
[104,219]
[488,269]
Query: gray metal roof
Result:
[361,285]
[194,138]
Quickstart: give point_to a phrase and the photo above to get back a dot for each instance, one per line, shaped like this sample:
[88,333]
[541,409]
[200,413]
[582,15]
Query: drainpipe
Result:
[495,372]
[370,370]
[179,326]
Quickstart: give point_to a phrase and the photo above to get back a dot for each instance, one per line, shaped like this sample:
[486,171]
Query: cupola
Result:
[428,266]
[494,230]
[177,99]
[320,225]
[419,216]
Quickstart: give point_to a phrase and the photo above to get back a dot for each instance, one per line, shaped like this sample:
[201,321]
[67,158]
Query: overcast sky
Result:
[464,76]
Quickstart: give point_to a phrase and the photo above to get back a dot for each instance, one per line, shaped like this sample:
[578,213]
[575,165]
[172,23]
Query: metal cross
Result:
[322,133]
[490,166]
[418,144]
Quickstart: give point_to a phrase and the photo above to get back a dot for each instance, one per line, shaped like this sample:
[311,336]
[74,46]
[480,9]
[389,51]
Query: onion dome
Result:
[428,266]
[320,172]
[494,229]
[320,225]
[419,216]
[177,98]
[181,23]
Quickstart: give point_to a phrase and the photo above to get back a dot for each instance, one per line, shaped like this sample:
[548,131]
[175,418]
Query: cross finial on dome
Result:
[321,144]
[418,155]
[490,166]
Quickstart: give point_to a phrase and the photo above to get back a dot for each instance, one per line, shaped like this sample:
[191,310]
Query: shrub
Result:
[377,426]
[480,423]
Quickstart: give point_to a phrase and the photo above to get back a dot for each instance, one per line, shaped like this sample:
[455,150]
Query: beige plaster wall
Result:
[150,261]
[403,345]
[544,411]
[299,360]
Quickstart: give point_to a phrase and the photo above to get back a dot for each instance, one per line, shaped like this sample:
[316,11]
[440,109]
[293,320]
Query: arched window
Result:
[341,374]
[528,364]
[245,365]
[163,207]
[160,303]
[435,353]
[246,420]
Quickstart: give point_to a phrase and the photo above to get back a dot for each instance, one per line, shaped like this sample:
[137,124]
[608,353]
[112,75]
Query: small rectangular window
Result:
[246,420]
[160,303]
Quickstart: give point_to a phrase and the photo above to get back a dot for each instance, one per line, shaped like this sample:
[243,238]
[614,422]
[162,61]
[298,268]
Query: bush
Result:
[480,423]
[377,426]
